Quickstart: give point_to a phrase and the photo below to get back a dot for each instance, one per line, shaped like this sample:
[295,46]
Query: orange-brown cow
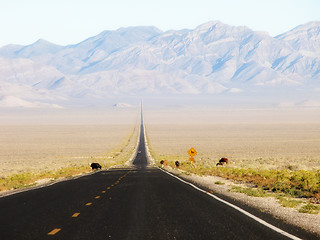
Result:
[222,161]
[164,163]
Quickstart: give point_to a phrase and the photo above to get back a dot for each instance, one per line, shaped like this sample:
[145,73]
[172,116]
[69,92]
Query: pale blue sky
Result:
[71,21]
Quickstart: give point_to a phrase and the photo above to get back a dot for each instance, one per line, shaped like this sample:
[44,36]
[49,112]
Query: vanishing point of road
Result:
[140,202]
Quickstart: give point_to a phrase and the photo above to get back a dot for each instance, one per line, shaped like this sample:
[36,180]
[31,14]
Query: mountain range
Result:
[212,59]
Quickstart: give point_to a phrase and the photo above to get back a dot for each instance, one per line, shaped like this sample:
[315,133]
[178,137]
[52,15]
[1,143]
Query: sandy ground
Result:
[131,148]
[262,146]
[41,140]
[42,147]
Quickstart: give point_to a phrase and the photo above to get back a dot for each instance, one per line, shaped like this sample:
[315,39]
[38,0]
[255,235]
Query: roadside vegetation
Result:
[300,183]
[265,160]
[295,189]
[116,157]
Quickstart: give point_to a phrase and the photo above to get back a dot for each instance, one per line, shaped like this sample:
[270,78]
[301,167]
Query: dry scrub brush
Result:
[118,156]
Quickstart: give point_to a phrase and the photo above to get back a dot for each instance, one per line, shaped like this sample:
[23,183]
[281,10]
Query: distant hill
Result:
[212,59]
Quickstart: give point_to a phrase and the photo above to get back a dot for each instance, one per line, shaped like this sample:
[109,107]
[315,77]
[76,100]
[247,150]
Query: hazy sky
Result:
[71,21]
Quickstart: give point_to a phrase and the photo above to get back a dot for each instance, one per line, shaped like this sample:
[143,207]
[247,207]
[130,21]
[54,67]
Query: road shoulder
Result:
[269,205]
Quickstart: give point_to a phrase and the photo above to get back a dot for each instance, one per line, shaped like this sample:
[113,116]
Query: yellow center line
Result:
[75,214]
[54,231]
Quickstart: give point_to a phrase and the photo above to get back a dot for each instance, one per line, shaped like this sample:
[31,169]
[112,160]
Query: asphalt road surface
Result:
[141,202]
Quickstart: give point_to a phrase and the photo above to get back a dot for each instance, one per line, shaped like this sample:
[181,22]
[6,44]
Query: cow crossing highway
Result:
[140,202]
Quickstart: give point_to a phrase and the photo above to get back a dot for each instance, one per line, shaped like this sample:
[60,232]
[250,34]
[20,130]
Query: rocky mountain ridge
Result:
[213,58]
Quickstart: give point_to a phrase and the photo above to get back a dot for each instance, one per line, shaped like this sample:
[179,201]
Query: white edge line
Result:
[149,157]
[225,202]
[237,208]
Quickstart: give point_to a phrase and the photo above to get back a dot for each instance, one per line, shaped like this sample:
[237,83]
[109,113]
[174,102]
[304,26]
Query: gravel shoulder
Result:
[310,222]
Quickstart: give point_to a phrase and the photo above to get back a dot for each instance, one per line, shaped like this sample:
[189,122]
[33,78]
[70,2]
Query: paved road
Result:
[134,203]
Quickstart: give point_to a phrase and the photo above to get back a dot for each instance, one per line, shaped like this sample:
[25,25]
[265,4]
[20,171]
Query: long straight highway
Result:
[139,202]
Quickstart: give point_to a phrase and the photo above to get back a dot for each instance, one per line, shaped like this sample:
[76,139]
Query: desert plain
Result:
[266,139]
[264,145]
[40,141]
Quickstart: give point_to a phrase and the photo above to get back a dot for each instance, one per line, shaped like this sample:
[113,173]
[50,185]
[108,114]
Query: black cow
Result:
[95,166]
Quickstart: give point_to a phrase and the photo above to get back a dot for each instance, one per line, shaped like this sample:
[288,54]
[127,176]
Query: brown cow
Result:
[222,161]
[164,163]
